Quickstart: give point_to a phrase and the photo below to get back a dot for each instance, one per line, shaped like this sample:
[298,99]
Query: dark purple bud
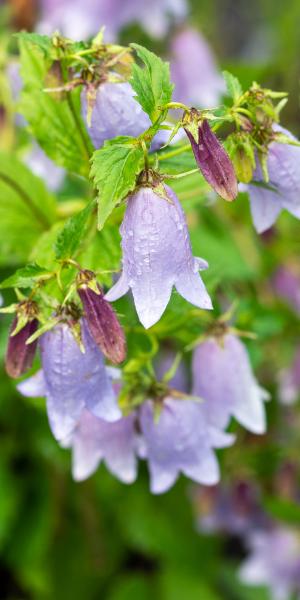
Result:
[19,355]
[213,161]
[102,322]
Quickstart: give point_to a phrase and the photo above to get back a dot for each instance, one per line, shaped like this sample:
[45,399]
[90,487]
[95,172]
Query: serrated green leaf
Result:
[152,84]
[114,170]
[26,277]
[234,88]
[68,240]
[27,210]
[55,121]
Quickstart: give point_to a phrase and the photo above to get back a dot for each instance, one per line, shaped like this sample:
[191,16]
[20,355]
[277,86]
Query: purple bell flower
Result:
[194,70]
[72,380]
[157,255]
[95,440]
[289,382]
[180,441]
[274,561]
[284,176]
[223,378]
[286,283]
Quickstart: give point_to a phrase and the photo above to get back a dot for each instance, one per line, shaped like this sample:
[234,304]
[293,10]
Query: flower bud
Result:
[19,355]
[102,322]
[214,163]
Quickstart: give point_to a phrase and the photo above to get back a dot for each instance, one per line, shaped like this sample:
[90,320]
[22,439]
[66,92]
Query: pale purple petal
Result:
[286,282]
[34,386]
[95,440]
[194,70]
[274,561]
[223,378]
[178,442]
[74,380]
[289,382]
[43,167]
[115,113]
[157,255]
[265,207]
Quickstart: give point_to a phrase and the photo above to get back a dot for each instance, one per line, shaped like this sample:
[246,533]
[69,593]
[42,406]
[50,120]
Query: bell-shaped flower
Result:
[194,70]
[179,441]
[95,440]
[284,178]
[115,112]
[274,561]
[286,283]
[289,382]
[157,255]
[72,380]
[223,377]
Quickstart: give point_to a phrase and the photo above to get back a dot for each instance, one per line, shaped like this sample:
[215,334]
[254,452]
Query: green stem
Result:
[40,217]
[178,105]
[174,152]
[180,175]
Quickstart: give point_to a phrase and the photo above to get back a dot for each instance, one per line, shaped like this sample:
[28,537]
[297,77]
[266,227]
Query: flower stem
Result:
[180,175]
[174,152]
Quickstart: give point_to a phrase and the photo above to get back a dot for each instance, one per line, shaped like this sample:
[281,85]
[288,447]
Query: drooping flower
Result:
[214,163]
[234,509]
[194,70]
[101,320]
[115,112]
[284,177]
[19,355]
[179,441]
[157,255]
[289,382]
[72,380]
[81,19]
[286,283]
[223,377]
[274,561]
[95,440]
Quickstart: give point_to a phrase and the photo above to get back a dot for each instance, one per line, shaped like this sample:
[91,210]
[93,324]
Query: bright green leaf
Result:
[234,88]
[152,84]
[25,277]
[114,170]
[69,239]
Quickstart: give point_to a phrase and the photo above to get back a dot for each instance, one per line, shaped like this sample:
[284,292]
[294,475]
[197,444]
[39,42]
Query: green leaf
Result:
[114,170]
[152,84]
[68,240]
[283,509]
[26,277]
[54,120]
[27,210]
[234,88]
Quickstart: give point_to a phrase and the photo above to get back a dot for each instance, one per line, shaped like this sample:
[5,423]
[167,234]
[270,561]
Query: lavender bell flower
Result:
[72,380]
[95,440]
[286,283]
[180,441]
[214,163]
[157,255]
[223,377]
[194,70]
[116,112]
[83,18]
[274,561]
[284,176]
[289,382]
[101,320]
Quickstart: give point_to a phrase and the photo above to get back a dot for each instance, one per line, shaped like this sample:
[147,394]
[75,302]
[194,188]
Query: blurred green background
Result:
[101,540]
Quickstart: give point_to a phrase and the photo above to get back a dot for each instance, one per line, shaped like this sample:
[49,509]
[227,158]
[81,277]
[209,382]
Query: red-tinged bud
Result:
[19,355]
[213,161]
[101,319]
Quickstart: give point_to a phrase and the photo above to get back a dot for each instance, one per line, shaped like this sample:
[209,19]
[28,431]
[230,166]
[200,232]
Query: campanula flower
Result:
[179,441]
[284,180]
[157,255]
[95,440]
[72,380]
[194,70]
[223,378]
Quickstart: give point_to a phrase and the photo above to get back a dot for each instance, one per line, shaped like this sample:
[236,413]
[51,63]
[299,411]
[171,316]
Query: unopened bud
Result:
[213,161]
[102,322]
[19,355]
